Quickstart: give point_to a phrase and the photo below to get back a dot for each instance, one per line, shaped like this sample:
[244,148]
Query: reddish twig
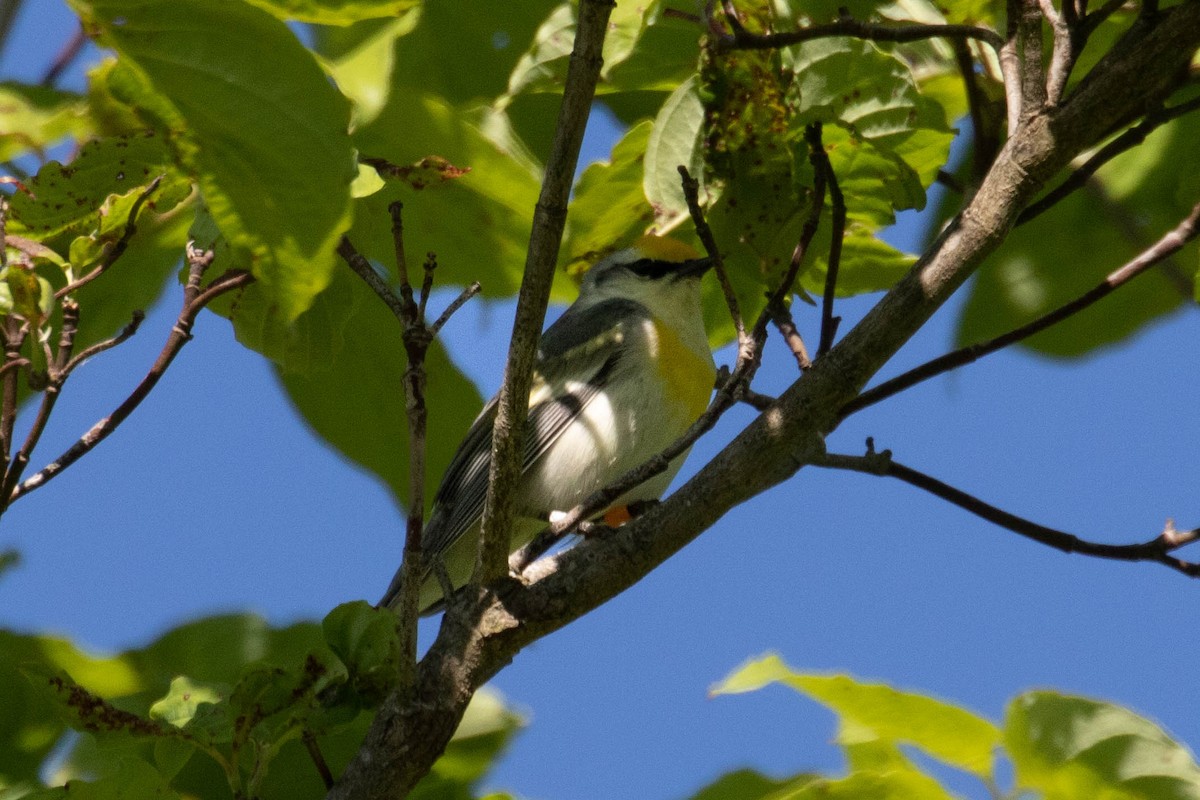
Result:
[65,57]
[1168,245]
[404,593]
[195,299]
[781,315]
[1158,549]
[127,332]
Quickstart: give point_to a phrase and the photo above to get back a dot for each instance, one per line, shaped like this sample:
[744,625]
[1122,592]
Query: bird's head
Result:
[662,274]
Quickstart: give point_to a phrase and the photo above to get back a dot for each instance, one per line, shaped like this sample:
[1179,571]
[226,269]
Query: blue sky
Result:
[214,497]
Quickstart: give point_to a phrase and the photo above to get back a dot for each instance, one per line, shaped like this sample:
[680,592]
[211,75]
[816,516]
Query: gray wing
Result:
[566,349]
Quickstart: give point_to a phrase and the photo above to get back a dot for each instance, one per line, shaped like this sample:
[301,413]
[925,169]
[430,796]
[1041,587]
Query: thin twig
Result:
[1127,140]
[14,334]
[1168,245]
[829,323]
[50,394]
[9,10]
[1064,51]
[691,193]
[65,57]
[985,140]
[314,752]
[128,331]
[1011,67]
[463,296]
[118,247]
[550,216]
[781,315]
[195,299]
[1157,549]
[363,269]
[740,39]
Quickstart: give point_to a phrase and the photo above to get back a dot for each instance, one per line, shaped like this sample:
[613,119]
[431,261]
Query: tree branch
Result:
[195,299]
[403,595]
[550,216]
[820,159]
[1158,549]
[741,39]
[1170,243]
[1130,138]
[482,631]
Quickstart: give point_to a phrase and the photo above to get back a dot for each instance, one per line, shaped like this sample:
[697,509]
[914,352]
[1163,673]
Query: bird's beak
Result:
[694,267]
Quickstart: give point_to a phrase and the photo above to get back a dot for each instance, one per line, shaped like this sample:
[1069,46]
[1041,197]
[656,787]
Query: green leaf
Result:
[608,207]
[32,118]
[179,705]
[1073,747]
[1127,205]
[364,73]
[894,785]
[70,198]
[334,12]
[365,639]
[747,784]
[944,731]
[264,131]
[674,142]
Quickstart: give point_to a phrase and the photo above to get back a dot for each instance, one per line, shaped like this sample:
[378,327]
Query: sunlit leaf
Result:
[266,133]
[944,731]
[334,12]
[33,118]
[1067,747]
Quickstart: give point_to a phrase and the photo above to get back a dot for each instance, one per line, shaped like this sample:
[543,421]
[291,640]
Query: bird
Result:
[618,377]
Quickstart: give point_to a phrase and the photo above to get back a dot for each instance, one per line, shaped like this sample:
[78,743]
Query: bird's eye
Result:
[649,268]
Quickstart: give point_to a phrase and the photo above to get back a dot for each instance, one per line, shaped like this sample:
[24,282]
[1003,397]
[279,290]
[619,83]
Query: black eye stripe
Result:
[649,268]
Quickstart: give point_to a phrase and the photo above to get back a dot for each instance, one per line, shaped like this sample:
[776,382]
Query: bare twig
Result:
[1158,549]
[50,393]
[1011,67]
[691,193]
[740,39]
[14,334]
[781,315]
[1127,140]
[117,249]
[404,593]
[1064,51]
[9,10]
[1169,244]
[550,217]
[65,57]
[985,140]
[195,299]
[99,347]
[820,159]
[314,752]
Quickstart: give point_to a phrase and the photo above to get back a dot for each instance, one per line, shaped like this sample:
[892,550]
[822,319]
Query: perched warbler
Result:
[622,374]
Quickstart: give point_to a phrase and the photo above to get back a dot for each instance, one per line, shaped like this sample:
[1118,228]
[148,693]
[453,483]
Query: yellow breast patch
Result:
[688,377]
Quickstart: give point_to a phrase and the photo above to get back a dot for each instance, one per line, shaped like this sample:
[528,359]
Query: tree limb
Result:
[550,216]
[195,299]
[741,39]
[483,631]
[1159,549]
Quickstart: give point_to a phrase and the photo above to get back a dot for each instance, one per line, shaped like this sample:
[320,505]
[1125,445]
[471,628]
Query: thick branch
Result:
[1171,243]
[549,218]
[1158,549]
